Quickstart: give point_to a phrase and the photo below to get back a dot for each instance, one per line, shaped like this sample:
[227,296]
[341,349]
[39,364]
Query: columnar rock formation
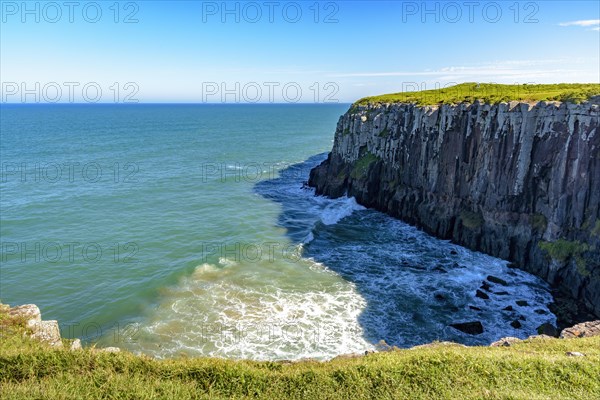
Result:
[519,181]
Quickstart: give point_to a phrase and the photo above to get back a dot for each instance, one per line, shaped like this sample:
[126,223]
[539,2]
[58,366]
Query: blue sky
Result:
[193,51]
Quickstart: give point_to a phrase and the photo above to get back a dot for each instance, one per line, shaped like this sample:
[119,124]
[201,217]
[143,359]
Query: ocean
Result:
[181,229]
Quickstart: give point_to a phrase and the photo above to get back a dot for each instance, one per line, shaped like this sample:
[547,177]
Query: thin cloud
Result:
[509,70]
[583,23]
[454,71]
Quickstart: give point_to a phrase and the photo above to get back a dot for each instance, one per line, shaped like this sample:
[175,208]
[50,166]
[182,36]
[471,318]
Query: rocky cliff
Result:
[520,181]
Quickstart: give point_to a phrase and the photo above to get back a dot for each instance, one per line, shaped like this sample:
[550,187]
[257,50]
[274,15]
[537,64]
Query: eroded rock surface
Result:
[585,329]
[45,331]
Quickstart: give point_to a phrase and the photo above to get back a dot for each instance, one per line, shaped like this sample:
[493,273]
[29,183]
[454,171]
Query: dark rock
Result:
[522,303]
[439,296]
[541,312]
[475,308]
[453,252]
[481,295]
[522,318]
[497,280]
[472,328]
[486,286]
[509,308]
[568,311]
[547,329]
[516,324]
[440,269]
[502,293]
[512,265]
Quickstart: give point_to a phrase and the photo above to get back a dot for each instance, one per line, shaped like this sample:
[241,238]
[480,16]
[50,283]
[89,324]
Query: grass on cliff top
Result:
[491,93]
[535,369]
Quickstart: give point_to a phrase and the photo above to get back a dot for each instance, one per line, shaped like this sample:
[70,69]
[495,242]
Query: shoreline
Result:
[48,332]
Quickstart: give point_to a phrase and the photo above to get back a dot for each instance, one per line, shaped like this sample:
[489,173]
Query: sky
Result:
[286,51]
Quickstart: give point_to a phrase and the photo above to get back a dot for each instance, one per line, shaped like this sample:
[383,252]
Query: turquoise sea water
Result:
[169,229]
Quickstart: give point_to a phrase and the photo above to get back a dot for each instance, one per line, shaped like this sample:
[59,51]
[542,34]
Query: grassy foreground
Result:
[533,369]
[491,93]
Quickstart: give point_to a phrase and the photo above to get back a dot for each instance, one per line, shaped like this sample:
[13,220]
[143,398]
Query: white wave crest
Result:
[338,209]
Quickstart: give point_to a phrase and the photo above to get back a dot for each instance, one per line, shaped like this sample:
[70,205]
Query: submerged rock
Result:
[472,328]
[481,295]
[497,280]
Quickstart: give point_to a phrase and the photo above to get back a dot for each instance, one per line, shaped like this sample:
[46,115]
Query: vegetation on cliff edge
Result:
[490,93]
[533,369]
[562,250]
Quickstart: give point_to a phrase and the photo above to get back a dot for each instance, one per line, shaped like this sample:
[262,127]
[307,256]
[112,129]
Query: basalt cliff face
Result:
[515,180]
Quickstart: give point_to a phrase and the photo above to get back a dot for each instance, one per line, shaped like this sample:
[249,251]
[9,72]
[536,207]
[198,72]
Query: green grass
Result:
[490,93]
[534,369]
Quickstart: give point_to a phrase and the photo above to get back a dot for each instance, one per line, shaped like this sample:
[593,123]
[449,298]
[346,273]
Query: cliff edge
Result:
[516,180]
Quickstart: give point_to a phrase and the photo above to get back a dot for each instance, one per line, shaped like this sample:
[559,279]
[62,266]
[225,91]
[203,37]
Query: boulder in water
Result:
[471,328]
[481,295]
[497,280]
